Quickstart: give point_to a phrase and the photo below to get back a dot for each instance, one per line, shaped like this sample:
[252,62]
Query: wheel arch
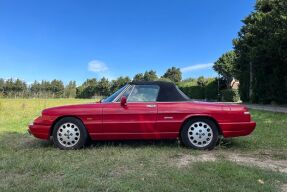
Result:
[61,117]
[200,116]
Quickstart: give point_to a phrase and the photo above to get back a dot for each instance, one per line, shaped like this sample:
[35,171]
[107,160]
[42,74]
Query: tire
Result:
[69,133]
[199,133]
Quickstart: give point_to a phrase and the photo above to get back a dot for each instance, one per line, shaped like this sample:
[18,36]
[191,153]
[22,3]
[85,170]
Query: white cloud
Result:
[97,66]
[196,67]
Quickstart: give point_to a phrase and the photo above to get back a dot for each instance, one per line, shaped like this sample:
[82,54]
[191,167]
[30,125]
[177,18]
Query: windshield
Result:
[114,95]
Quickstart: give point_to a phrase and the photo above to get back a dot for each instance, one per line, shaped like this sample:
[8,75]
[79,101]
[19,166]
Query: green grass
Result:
[28,164]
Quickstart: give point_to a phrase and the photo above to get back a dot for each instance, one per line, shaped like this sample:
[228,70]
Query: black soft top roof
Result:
[168,91]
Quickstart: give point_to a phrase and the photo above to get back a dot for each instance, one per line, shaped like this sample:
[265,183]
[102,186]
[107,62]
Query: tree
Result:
[119,82]
[57,88]
[46,89]
[20,87]
[261,53]
[201,81]
[88,89]
[35,88]
[70,90]
[2,84]
[164,79]
[150,76]
[174,74]
[104,87]
[225,66]
[138,77]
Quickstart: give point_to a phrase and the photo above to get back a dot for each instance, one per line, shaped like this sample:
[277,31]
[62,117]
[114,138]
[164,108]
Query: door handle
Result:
[151,105]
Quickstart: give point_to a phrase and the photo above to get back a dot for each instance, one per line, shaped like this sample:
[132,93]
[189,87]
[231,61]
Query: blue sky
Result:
[76,40]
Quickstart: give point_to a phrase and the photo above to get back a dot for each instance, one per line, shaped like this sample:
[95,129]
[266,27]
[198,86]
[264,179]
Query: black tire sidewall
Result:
[188,143]
[83,133]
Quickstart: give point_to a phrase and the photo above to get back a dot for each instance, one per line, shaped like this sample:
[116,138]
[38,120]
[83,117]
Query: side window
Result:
[144,93]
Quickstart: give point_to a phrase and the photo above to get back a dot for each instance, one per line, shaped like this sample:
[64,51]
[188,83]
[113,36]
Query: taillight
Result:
[246,113]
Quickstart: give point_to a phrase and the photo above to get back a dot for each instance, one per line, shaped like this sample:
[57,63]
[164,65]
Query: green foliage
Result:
[202,88]
[174,74]
[150,76]
[88,89]
[70,90]
[201,82]
[225,66]
[57,88]
[13,88]
[165,79]
[138,77]
[230,95]
[119,82]
[103,87]
[261,43]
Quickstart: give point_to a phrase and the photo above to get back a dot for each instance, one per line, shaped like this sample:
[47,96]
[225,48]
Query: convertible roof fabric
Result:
[168,91]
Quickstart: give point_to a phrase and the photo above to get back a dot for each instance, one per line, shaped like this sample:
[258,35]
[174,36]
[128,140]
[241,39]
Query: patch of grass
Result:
[29,164]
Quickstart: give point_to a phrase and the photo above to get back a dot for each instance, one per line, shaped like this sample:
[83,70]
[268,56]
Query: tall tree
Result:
[261,53]
[201,81]
[138,77]
[46,89]
[104,87]
[174,74]
[88,89]
[70,90]
[57,88]
[225,66]
[2,84]
[150,76]
[119,82]
[35,88]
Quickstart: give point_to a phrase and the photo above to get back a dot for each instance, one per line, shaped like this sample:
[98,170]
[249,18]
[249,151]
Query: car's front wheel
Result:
[69,133]
[199,133]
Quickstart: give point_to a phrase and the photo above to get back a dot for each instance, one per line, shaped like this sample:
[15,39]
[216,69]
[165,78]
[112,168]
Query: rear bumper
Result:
[237,129]
[39,131]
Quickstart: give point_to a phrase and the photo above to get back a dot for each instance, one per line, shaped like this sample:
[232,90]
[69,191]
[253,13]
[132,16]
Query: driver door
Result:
[136,119]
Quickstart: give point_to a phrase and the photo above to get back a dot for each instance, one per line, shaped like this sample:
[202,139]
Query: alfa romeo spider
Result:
[143,110]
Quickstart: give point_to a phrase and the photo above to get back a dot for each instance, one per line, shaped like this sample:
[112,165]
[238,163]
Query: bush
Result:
[230,95]
[194,91]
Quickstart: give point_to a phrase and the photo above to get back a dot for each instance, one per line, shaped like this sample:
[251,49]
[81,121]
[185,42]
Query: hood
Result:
[70,109]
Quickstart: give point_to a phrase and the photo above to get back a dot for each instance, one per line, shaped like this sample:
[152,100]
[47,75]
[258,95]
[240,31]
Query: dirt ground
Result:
[264,163]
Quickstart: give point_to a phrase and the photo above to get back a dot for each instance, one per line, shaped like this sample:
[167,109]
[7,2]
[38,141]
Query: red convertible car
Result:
[143,110]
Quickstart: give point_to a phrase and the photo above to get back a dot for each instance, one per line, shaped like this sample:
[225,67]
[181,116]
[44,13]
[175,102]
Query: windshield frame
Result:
[116,94]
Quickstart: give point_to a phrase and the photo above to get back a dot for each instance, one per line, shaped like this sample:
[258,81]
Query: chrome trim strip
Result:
[120,94]
[130,92]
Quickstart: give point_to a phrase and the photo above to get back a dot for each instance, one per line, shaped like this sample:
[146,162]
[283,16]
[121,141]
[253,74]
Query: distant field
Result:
[254,163]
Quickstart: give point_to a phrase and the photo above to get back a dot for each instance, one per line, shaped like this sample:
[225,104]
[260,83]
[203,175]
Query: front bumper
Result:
[237,129]
[40,131]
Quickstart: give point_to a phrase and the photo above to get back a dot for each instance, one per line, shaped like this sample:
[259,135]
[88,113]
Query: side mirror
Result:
[123,101]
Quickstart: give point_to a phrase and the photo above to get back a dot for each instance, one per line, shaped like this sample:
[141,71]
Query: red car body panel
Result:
[145,120]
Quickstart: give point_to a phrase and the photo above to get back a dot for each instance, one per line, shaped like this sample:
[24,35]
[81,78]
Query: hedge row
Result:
[210,92]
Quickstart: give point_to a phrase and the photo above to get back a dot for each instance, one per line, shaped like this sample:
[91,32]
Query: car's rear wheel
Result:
[69,133]
[199,133]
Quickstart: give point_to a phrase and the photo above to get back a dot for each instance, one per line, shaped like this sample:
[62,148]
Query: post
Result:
[250,82]
[218,93]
